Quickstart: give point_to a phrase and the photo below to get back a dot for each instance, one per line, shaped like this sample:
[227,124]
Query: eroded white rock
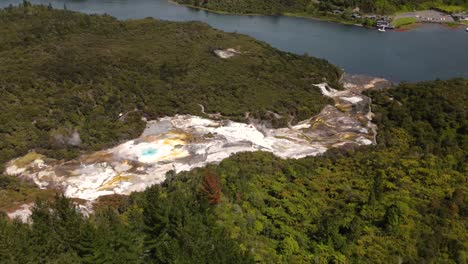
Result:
[227,53]
[184,142]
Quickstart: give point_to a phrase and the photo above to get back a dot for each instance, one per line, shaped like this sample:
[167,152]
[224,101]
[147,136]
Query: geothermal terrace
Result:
[183,142]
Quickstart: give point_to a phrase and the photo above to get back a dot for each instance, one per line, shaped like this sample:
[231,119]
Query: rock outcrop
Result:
[227,53]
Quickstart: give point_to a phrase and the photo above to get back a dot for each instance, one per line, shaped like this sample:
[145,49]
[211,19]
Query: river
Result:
[425,53]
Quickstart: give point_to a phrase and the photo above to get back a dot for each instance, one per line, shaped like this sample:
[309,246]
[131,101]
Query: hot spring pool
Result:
[149,152]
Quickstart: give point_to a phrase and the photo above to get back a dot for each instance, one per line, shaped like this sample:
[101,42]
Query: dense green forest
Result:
[312,7]
[402,201]
[65,78]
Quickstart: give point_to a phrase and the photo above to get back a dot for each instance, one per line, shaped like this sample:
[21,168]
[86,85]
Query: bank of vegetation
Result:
[402,201]
[382,7]
[334,10]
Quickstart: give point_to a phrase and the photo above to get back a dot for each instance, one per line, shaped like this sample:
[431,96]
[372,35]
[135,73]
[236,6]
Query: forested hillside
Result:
[66,78]
[403,201]
[62,74]
[273,7]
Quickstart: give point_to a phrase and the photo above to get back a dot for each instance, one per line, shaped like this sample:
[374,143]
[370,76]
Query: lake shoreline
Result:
[330,19]
[393,55]
[297,15]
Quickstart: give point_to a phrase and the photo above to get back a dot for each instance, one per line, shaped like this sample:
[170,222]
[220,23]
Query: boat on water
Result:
[381,29]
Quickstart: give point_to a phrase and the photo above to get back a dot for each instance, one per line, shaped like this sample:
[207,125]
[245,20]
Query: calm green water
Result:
[426,53]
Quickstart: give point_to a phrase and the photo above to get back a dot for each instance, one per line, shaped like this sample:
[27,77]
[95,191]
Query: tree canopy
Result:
[401,201]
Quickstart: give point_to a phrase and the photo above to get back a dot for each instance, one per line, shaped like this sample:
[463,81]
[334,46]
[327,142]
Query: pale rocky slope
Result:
[183,142]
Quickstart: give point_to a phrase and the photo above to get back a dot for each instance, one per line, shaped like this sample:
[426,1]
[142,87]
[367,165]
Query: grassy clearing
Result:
[452,25]
[404,21]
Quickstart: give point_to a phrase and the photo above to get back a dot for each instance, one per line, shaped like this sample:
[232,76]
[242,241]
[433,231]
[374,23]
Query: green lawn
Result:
[452,25]
[404,21]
